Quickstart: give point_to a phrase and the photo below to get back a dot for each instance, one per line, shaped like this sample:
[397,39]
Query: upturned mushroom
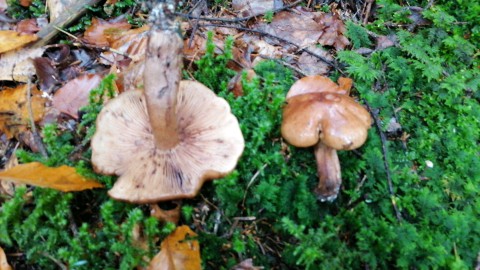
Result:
[166,141]
[320,113]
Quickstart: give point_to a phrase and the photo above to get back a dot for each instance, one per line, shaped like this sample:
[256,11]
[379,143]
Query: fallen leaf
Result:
[383,42]
[74,95]
[46,73]
[25,3]
[247,8]
[178,251]
[28,26]
[57,7]
[100,31]
[8,187]
[235,84]
[293,27]
[14,115]
[3,261]
[63,178]
[17,65]
[10,40]
[311,65]
[333,31]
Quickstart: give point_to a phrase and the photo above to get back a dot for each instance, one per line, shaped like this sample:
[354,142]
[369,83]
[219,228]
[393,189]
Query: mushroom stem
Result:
[161,80]
[329,173]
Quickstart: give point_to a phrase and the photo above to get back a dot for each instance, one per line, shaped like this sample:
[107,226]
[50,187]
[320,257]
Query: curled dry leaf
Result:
[74,95]
[63,178]
[3,261]
[17,65]
[178,251]
[46,72]
[10,40]
[333,31]
[14,115]
[101,31]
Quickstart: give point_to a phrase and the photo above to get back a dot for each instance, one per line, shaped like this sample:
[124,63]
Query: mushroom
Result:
[320,113]
[166,141]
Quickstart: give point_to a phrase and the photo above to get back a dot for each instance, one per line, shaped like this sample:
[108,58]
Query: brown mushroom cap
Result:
[335,119]
[319,84]
[210,145]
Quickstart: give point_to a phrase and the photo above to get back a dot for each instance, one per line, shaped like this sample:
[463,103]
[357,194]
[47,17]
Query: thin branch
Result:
[300,48]
[383,139]
[237,20]
[36,137]
[251,182]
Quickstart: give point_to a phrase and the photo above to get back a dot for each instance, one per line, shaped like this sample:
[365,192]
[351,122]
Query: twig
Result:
[56,261]
[383,139]
[36,137]
[300,49]
[237,20]
[367,11]
[251,182]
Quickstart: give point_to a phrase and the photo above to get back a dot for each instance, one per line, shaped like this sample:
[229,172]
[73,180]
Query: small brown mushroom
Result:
[320,113]
[166,141]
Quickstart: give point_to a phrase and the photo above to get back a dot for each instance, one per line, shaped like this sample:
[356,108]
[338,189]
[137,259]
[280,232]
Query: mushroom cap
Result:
[319,84]
[335,119]
[211,143]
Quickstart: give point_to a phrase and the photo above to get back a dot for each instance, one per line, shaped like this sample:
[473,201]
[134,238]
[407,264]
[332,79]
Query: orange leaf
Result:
[3,261]
[178,252]
[14,116]
[63,178]
[100,31]
[10,40]
[74,95]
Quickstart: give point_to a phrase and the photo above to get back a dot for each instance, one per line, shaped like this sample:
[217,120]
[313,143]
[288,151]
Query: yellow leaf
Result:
[3,261]
[10,40]
[14,115]
[178,252]
[63,178]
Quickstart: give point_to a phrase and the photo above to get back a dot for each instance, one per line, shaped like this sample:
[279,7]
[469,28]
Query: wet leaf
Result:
[10,40]
[74,95]
[178,251]
[101,31]
[14,115]
[3,261]
[63,178]
[17,65]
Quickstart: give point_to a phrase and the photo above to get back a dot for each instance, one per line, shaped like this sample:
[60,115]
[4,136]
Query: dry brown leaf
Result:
[28,26]
[294,27]
[235,84]
[178,251]
[17,65]
[74,95]
[25,3]
[3,261]
[10,40]
[311,65]
[246,265]
[100,31]
[8,187]
[333,31]
[14,115]
[63,178]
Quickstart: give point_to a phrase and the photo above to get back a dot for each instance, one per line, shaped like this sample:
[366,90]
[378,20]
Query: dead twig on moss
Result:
[262,33]
[237,20]
[36,136]
[383,139]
